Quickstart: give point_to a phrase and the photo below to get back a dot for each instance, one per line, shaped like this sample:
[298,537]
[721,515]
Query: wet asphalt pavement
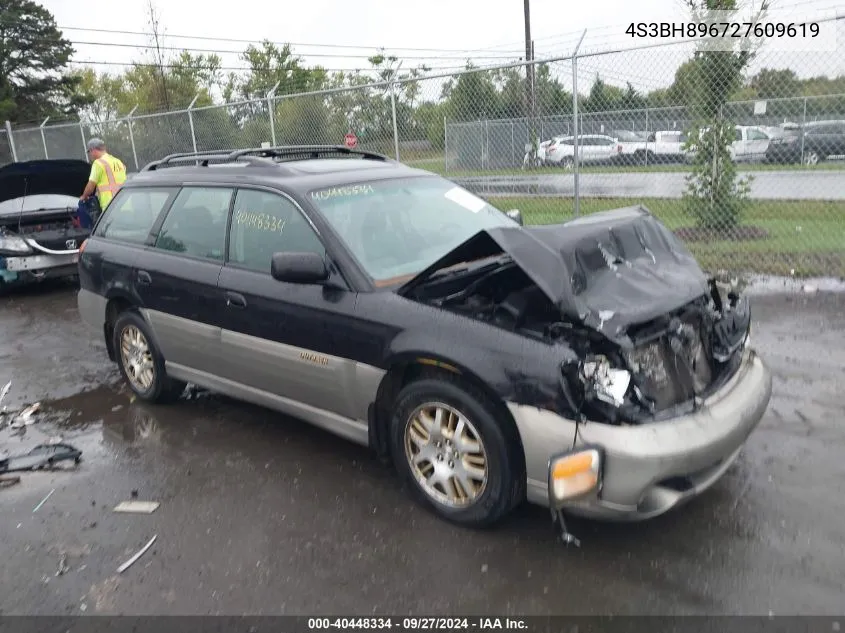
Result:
[261,514]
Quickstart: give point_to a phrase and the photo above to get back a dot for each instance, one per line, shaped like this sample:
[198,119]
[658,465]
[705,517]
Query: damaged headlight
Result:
[603,381]
[13,244]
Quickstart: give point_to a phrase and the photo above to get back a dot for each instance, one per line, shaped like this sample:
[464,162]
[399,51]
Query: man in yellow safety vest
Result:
[107,173]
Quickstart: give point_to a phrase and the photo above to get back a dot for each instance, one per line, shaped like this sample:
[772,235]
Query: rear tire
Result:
[140,361]
[457,454]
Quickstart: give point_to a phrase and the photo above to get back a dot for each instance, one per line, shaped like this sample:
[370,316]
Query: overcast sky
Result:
[490,31]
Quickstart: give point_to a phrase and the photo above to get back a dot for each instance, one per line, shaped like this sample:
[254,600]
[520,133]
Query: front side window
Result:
[133,212]
[265,223]
[196,223]
[399,227]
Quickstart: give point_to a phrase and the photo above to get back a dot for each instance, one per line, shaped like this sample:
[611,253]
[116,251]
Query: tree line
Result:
[37,81]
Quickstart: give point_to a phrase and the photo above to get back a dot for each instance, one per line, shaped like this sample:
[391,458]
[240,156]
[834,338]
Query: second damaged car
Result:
[590,367]
[40,227]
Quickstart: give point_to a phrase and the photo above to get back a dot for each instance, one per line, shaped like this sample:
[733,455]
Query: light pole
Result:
[529,75]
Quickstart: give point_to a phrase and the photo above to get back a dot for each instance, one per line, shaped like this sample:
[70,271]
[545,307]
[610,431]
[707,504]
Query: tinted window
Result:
[757,135]
[196,223]
[264,223]
[132,213]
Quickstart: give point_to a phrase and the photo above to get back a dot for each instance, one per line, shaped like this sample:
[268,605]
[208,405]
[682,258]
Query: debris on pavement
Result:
[6,482]
[44,500]
[42,456]
[63,568]
[138,555]
[4,392]
[26,417]
[137,507]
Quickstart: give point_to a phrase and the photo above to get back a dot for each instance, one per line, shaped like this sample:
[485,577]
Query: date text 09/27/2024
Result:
[417,624]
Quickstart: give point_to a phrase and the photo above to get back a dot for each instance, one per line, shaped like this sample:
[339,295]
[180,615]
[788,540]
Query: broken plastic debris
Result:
[63,568]
[44,500]
[5,391]
[138,555]
[137,507]
[5,482]
[26,417]
[42,456]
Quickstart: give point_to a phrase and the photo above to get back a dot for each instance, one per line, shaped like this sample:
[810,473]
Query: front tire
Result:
[459,456]
[140,361]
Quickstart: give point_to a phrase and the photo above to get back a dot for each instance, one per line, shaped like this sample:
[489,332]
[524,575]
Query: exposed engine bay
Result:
[675,337]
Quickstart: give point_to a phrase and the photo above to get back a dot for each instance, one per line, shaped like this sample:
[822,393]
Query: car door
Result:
[120,237]
[738,148]
[758,143]
[176,277]
[283,339]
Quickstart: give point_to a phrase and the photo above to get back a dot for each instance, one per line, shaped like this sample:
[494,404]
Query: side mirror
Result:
[516,216]
[299,268]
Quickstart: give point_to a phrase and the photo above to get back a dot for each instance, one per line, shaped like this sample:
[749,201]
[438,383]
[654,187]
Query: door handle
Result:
[235,300]
[144,278]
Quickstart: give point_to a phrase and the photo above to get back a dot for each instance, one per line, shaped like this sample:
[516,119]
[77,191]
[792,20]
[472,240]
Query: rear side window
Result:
[133,212]
[196,223]
[265,223]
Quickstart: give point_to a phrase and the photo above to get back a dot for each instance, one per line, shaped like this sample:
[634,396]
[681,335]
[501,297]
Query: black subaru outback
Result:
[589,366]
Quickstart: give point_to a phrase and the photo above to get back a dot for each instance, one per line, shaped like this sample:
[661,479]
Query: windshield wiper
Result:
[458,269]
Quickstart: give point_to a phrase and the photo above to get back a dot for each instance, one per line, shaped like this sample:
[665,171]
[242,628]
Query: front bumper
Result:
[651,468]
[21,268]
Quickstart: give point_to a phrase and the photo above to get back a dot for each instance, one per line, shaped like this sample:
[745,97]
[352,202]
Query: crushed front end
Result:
[655,386]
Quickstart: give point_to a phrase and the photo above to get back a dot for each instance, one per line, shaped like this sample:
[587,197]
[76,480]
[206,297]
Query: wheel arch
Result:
[411,366]
[117,303]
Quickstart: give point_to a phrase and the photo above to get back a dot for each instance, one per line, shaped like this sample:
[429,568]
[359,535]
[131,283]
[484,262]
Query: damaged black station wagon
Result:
[590,367]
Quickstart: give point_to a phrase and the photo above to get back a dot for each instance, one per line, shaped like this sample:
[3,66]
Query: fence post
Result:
[12,142]
[132,135]
[84,142]
[803,127]
[43,138]
[191,122]
[575,124]
[513,156]
[271,111]
[445,145]
[647,133]
[393,110]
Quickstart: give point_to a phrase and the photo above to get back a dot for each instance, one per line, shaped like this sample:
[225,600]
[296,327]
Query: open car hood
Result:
[66,177]
[607,270]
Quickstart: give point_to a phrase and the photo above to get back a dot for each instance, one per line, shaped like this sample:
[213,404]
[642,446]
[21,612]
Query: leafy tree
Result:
[715,196]
[33,58]
[603,97]
[775,84]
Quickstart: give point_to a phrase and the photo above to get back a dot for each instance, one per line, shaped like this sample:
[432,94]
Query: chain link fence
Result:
[743,158]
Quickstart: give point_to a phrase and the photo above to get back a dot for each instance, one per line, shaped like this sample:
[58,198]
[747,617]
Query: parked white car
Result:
[749,145]
[592,149]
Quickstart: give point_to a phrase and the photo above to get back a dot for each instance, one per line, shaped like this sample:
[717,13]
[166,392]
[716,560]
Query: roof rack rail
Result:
[205,155]
[312,151]
[264,155]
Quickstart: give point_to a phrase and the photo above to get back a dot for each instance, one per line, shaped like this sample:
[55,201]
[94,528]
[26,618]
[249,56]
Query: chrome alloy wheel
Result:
[446,455]
[137,358]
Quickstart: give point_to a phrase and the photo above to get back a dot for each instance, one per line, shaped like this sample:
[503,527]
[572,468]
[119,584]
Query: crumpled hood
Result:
[607,270]
[66,177]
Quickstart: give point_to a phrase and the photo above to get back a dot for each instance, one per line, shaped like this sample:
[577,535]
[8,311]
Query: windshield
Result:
[397,228]
[41,202]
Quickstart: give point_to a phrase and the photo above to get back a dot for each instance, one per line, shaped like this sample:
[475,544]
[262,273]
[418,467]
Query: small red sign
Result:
[350,140]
